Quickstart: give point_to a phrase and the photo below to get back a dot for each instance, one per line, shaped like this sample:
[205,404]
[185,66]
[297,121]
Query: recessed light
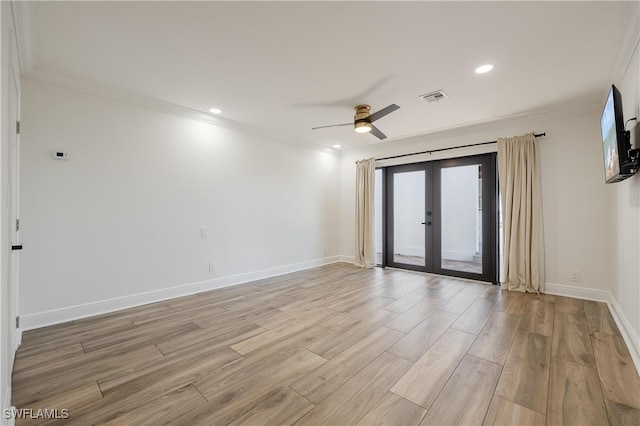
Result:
[484,68]
[215,110]
[336,146]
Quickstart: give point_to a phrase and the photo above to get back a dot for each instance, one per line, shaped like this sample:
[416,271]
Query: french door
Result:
[441,217]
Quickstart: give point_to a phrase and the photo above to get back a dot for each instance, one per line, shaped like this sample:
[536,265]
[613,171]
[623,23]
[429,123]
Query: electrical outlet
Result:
[212,266]
[575,276]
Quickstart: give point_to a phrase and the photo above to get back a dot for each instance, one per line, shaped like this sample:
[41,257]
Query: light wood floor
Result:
[337,345]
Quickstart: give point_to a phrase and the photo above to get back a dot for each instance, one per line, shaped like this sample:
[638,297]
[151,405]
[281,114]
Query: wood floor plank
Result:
[476,316]
[178,316]
[117,317]
[513,302]
[307,315]
[164,409]
[538,316]
[237,317]
[25,361]
[575,397]
[447,290]
[336,343]
[415,315]
[571,339]
[209,338]
[70,400]
[85,333]
[357,396]
[407,302]
[140,336]
[599,318]
[283,408]
[393,410]
[218,382]
[620,414]
[619,378]
[493,292]
[466,397]
[525,377]
[321,382]
[415,343]
[569,305]
[244,397]
[495,340]
[167,376]
[29,386]
[506,413]
[268,338]
[461,301]
[426,378]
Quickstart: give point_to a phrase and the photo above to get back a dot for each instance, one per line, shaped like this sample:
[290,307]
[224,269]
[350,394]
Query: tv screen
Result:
[614,142]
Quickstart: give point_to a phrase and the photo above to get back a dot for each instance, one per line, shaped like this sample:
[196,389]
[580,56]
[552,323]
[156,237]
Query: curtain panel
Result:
[365,190]
[523,248]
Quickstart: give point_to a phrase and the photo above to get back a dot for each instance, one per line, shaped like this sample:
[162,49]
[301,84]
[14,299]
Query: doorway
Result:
[440,217]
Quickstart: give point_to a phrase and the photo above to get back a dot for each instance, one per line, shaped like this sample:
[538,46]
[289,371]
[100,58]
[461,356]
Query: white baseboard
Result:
[629,335]
[577,292]
[347,259]
[57,316]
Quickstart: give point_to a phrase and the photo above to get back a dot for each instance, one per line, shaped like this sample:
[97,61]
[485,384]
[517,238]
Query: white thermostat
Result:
[60,155]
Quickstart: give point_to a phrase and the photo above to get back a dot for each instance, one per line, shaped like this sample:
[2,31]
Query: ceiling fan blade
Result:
[377,133]
[384,111]
[333,125]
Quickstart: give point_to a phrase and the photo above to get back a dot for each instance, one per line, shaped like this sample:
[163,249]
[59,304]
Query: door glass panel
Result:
[408,218]
[461,212]
[378,216]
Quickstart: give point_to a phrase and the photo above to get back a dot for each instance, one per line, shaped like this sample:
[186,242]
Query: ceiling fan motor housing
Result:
[360,120]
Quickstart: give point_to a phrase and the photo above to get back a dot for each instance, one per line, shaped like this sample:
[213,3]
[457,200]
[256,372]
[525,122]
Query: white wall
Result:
[625,224]
[122,217]
[575,200]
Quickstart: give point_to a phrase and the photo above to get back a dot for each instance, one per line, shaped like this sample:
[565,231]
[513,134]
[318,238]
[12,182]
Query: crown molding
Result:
[68,81]
[629,40]
[24,23]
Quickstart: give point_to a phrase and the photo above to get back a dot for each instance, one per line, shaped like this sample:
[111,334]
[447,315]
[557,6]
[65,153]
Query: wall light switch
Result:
[60,155]
[204,232]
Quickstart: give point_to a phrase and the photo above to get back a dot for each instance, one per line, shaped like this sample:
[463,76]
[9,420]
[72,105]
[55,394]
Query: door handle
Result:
[19,247]
[426,223]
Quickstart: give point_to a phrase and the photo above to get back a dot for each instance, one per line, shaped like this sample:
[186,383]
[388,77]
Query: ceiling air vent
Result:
[438,95]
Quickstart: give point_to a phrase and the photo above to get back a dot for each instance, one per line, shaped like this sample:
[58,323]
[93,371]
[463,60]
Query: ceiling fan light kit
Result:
[360,120]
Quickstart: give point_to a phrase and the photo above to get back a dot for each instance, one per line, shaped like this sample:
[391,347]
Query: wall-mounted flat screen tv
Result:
[615,144]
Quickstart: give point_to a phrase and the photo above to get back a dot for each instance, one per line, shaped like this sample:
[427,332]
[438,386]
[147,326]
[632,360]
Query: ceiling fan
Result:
[362,121]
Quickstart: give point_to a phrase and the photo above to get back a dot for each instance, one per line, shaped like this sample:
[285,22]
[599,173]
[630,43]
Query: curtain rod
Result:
[446,149]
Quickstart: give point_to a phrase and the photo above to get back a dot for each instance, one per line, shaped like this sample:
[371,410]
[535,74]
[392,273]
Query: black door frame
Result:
[433,232]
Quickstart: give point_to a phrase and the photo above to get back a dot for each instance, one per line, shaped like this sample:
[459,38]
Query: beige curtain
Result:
[365,189]
[523,250]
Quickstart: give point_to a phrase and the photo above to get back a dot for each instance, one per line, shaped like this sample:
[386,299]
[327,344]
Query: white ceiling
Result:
[288,66]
